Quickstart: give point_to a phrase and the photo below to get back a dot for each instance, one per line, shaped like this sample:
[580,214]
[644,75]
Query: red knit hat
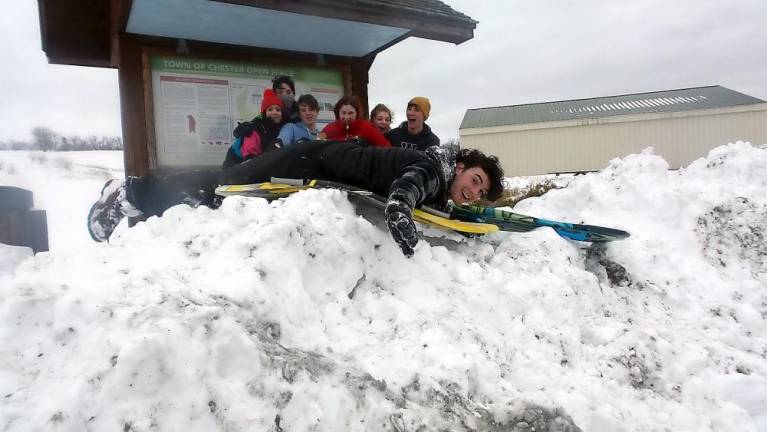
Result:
[271,98]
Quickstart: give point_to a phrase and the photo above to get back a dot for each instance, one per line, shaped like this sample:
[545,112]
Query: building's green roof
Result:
[696,98]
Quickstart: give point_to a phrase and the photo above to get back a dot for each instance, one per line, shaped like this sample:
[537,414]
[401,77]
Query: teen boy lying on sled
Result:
[407,177]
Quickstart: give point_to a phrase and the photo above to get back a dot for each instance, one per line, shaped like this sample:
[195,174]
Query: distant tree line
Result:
[452,142]
[47,139]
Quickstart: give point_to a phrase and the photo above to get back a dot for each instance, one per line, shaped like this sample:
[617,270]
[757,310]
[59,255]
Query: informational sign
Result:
[198,103]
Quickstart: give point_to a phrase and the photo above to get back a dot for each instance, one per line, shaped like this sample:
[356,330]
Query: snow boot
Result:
[109,210]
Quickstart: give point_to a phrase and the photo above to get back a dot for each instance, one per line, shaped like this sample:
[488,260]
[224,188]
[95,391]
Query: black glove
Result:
[244,129]
[399,220]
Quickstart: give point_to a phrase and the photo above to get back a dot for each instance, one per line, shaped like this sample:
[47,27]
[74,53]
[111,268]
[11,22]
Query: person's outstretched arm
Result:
[417,184]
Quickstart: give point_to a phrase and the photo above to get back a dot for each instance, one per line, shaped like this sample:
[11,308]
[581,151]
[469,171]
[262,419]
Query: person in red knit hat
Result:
[349,125]
[258,135]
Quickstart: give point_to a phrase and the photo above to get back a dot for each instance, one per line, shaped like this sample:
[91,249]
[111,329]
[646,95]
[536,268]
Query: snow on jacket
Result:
[401,137]
[338,131]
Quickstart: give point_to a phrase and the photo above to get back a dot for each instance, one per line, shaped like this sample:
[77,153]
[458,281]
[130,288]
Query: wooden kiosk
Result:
[190,69]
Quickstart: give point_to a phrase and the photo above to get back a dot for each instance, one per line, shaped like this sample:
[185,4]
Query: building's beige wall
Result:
[588,145]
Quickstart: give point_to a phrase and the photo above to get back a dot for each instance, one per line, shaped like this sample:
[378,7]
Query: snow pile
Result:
[12,256]
[300,315]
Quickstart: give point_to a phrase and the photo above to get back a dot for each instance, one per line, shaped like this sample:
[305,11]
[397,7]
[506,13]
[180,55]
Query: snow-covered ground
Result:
[63,184]
[300,315]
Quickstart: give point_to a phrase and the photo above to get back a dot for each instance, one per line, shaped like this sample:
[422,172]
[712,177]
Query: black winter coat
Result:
[267,131]
[400,137]
[414,176]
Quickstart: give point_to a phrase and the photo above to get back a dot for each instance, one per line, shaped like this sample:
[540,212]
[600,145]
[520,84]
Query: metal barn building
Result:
[584,134]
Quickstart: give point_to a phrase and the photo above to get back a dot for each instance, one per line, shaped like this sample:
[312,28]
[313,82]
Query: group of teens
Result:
[283,122]
[411,172]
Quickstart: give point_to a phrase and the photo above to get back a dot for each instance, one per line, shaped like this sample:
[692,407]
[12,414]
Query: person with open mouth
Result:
[414,133]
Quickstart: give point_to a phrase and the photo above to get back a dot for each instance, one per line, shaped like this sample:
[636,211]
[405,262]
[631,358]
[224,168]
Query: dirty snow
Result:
[300,315]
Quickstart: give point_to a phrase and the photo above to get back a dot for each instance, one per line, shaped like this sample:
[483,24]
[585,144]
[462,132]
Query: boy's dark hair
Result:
[309,101]
[349,100]
[278,81]
[474,158]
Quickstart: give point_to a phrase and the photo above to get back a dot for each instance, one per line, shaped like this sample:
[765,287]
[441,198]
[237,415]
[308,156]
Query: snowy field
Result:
[300,315]
[64,185]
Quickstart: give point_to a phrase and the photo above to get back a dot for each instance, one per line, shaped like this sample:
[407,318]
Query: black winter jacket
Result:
[414,176]
[267,131]
[400,137]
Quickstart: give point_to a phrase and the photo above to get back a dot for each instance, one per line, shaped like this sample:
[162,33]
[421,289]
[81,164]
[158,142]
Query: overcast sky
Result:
[523,51]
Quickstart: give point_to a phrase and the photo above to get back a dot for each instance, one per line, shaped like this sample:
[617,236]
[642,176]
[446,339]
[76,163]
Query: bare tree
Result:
[452,143]
[64,144]
[44,138]
[19,145]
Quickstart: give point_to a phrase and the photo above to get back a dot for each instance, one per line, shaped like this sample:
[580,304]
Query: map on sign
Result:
[246,101]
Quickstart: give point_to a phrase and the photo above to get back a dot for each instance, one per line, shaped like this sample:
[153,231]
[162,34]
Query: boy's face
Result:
[274,112]
[284,90]
[308,115]
[414,117]
[347,114]
[469,185]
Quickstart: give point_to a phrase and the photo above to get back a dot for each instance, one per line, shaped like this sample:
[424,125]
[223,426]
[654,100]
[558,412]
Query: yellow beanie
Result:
[423,104]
